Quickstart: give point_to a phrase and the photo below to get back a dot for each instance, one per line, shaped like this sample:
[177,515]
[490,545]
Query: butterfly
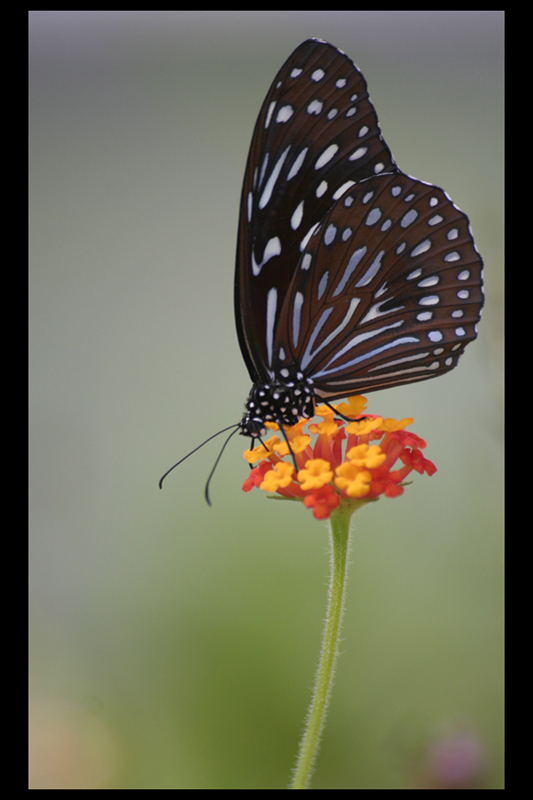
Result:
[351,276]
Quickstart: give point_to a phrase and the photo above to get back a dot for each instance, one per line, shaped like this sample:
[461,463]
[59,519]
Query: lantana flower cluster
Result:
[348,462]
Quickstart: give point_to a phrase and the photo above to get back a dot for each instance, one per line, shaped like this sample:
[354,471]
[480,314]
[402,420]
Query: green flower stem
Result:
[316,716]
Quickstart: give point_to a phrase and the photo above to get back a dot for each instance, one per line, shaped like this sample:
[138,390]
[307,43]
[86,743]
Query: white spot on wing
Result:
[269,188]
[409,218]
[322,188]
[423,247]
[357,154]
[285,113]
[297,216]
[263,169]
[329,234]
[310,232]
[315,107]
[322,285]
[371,271]
[271,108]
[297,164]
[326,156]
[296,317]
[355,258]
[306,261]
[342,189]
[373,216]
[432,281]
[430,300]
[272,302]
[272,248]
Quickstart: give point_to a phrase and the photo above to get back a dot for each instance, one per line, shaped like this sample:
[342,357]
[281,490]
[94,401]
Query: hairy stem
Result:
[340,541]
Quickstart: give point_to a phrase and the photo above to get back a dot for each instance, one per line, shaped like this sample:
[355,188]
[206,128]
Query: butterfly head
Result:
[284,399]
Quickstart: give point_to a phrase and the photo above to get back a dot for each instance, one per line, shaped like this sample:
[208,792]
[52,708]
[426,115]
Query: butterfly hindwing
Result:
[387,291]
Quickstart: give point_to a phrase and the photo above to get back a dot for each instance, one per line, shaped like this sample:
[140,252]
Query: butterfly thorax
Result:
[284,399]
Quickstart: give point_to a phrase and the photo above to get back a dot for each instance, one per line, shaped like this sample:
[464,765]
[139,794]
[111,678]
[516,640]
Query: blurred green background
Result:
[174,645]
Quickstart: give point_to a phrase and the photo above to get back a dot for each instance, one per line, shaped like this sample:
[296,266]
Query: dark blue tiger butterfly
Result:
[351,276]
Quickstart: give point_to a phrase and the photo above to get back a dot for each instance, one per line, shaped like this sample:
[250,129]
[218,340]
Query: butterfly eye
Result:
[351,276]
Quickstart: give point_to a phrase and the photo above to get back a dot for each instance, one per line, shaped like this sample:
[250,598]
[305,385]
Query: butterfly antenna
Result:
[207,500]
[195,449]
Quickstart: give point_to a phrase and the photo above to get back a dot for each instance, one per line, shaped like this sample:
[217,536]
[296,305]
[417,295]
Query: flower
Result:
[351,461]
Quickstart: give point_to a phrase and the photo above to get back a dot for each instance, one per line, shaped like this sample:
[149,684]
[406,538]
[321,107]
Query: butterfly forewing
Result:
[316,136]
[387,290]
